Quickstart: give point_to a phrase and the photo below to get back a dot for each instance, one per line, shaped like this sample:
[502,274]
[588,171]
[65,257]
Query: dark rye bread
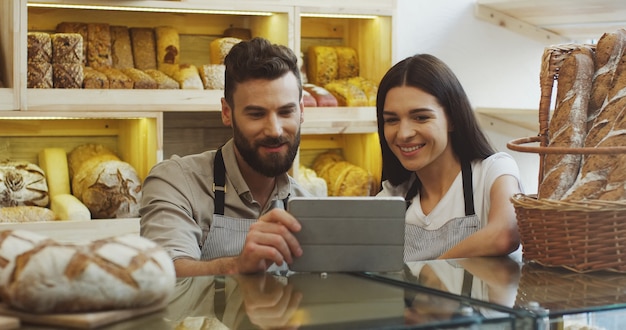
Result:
[567,127]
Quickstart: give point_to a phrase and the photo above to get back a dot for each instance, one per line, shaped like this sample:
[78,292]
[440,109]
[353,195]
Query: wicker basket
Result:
[580,236]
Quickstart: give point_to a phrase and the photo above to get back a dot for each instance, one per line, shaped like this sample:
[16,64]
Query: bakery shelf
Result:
[556,21]
[340,120]
[122,100]
[78,231]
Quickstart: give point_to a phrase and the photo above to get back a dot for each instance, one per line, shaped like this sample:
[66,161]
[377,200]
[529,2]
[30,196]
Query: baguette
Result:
[45,276]
[568,124]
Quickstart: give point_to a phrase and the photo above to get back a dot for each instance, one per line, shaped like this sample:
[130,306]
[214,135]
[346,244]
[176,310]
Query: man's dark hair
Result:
[258,58]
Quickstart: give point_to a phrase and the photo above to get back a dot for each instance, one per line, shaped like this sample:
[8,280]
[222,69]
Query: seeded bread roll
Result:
[67,75]
[121,49]
[39,46]
[39,75]
[99,45]
[141,80]
[568,125]
[75,27]
[94,79]
[144,48]
[163,81]
[67,48]
[42,275]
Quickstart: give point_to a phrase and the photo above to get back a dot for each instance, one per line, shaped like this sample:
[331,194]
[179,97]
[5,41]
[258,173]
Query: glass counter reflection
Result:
[529,290]
[316,301]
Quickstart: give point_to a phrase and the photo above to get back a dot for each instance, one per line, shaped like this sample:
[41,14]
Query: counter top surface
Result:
[496,293]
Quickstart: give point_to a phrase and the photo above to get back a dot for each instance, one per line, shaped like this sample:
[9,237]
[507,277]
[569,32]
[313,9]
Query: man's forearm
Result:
[221,266]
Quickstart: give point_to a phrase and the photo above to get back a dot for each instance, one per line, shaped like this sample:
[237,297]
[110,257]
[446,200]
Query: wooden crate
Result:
[78,231]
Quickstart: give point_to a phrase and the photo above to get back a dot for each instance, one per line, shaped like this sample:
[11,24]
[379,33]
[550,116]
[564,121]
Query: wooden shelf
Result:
[556,20]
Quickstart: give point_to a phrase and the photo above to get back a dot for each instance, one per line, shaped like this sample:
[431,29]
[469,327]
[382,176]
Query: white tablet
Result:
[349,234]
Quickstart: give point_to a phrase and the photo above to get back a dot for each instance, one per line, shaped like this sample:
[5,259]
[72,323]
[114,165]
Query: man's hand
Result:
[270,240]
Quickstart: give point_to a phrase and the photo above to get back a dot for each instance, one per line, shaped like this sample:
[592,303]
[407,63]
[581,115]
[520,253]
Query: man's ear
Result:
[227,113]
[301,111]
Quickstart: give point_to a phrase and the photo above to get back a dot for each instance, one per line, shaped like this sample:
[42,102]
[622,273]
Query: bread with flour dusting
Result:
[41,275]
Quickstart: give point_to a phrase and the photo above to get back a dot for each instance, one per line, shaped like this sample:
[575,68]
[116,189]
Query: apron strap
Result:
[219,182]
[468,189]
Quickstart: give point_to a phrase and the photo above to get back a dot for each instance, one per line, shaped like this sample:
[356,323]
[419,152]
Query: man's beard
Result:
[276,163]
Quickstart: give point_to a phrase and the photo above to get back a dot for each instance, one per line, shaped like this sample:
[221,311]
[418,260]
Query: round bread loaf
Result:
[45,276]
[79,155]
[22,183]
[109,188]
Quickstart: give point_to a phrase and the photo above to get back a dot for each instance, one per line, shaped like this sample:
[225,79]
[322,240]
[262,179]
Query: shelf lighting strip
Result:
[338,15]
[150,9]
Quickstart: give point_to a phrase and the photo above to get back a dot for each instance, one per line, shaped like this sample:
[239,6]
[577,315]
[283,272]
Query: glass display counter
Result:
[539,297]
[474,293]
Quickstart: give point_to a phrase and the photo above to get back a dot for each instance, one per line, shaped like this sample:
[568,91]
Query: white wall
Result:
[498,68]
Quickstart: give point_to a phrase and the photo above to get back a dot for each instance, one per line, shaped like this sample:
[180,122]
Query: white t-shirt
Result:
[452,205]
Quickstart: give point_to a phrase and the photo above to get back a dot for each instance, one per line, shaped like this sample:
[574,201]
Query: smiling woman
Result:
[456,187]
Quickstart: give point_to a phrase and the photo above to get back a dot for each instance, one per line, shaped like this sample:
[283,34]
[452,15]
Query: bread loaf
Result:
[163,81]
[39,47]
[141,80]
[568,125]
[39,75]
[167,45]
[117,79]
[108,186]
[600,176]
[121,49]
[67,75]
[68,207]
[188,77]
[53,162]
[347,94]
[15,214]
[80,154]
[368,87]
[609,51]
[94,79]
[22,183]
[67,48]
[307,99]
[342,178]
[347,62]
[213,76]
[144,48]
[322,65]
[99,45]
[323,98]
[75,27]
[45,276]
[219,48]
